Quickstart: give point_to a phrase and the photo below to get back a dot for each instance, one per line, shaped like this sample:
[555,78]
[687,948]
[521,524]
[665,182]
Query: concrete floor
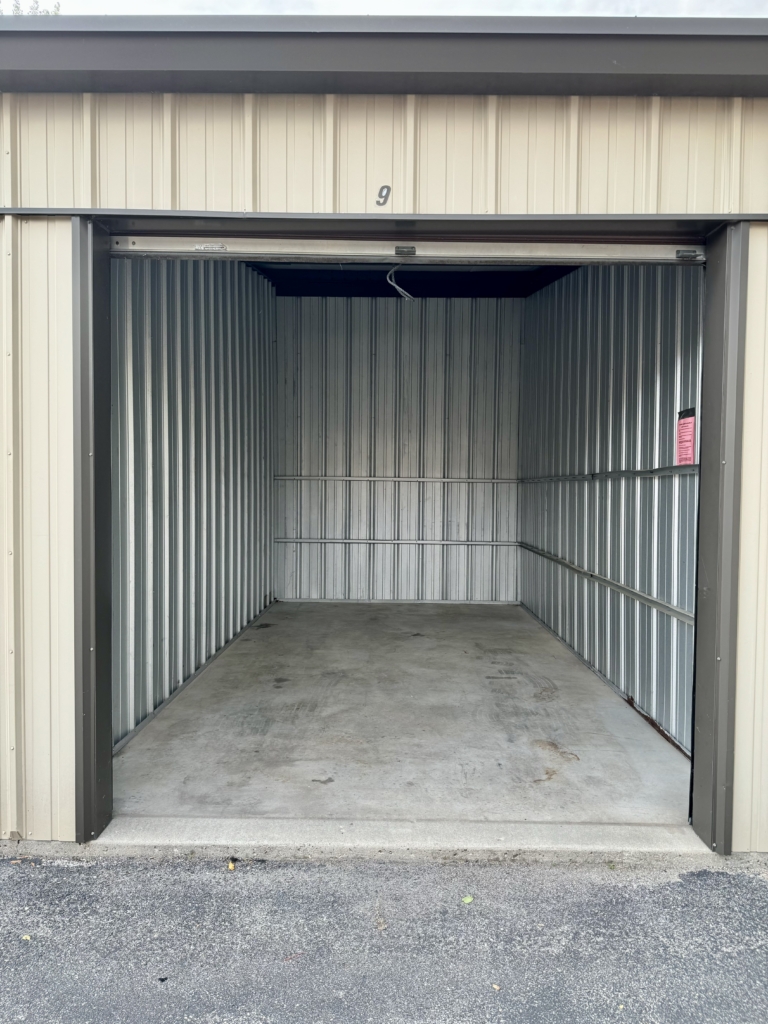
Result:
[401,712]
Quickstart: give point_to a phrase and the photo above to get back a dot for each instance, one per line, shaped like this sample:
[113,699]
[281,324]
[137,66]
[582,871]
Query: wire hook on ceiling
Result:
[391,280]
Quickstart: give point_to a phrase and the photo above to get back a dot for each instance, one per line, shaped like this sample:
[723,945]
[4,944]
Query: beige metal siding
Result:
[287,164]
[51,156]
[207,139]
[750,782]
[133,164]
[37,680]
[754,157]
[369,144]
[440,154]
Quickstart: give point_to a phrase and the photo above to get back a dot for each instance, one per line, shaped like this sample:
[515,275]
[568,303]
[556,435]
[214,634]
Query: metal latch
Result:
[689,254]
[405,250]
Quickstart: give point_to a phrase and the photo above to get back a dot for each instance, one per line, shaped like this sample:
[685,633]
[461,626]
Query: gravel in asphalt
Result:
[188,939]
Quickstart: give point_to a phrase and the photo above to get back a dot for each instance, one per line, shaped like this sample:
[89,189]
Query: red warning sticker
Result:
[685,448]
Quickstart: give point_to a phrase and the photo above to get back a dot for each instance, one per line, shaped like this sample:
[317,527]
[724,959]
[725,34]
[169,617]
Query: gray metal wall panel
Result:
[397,449]
[192,469]
[610,356]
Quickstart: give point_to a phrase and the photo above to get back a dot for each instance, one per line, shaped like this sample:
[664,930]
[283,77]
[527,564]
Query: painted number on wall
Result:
[384,193]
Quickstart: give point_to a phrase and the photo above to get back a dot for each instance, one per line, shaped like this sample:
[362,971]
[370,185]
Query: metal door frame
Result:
[717,571]
[727,243]
[418,250]
[93,526]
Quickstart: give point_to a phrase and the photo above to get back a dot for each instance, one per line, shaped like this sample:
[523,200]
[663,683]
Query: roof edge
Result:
[214,24]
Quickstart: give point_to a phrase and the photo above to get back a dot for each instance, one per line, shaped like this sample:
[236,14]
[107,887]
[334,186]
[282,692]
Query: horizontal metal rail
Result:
[637,595]
[614,474]
[421,250]
[400,479]
[379,540]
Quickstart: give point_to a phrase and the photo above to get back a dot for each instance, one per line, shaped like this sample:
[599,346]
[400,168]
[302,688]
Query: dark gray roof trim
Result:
[587,56]
[211,24]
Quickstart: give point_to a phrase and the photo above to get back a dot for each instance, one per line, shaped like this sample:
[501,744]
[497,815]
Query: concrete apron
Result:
[400,731]
[317,839]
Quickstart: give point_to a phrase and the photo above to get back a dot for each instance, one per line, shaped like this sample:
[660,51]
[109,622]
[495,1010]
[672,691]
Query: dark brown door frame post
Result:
[93,527]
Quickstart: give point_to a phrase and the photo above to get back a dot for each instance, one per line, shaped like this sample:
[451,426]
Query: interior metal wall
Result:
[192,469]
[610,356]
[397,449]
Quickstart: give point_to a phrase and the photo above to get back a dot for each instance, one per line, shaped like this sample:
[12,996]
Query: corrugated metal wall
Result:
[192,469]
[37,520]
[397,449]
[610,356]
[750,770]
[440,154]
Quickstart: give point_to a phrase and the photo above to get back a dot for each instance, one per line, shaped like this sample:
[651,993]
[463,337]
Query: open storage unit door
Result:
[361,507]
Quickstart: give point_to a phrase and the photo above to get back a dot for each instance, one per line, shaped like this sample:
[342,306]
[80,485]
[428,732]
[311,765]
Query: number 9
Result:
[384,193]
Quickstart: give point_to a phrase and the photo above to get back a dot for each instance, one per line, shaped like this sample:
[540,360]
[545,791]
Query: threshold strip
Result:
[615,474]
[365,540]
[661,606]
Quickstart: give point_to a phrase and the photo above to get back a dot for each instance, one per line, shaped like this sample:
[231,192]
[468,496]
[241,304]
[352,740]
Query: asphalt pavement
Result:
[191,939]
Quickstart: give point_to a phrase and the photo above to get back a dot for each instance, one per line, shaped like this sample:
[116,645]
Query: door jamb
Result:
[717,575]
[93,527]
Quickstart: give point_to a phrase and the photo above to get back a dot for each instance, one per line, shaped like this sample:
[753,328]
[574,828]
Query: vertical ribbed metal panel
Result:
[192,469]
[750,768]
[397,449]
[37,522]
[610,356]
[332,153]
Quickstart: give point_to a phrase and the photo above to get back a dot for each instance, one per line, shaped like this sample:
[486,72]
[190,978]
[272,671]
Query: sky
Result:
[690,8]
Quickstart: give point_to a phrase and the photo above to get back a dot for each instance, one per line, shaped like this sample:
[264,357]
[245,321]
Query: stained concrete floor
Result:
[449,713]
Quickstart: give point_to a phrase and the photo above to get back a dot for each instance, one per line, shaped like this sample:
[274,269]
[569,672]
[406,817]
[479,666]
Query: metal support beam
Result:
[718,559]
[422,251]
[93,561]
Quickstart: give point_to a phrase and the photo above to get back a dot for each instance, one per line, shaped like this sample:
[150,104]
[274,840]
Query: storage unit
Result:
[197,426]
[398,427]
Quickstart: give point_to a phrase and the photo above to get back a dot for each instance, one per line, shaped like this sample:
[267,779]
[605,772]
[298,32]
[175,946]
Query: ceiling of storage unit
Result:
[419,280]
